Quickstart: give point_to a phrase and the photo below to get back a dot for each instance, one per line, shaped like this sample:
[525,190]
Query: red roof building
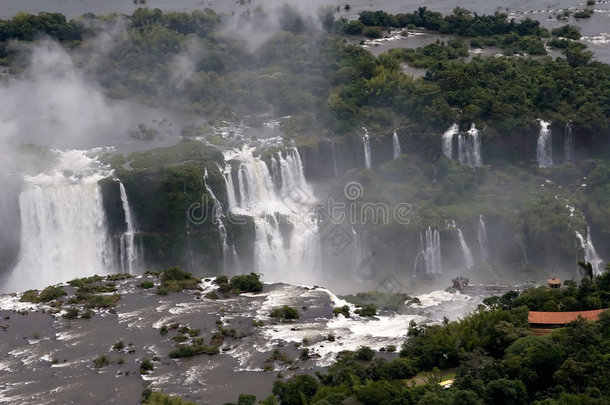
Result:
[543,323]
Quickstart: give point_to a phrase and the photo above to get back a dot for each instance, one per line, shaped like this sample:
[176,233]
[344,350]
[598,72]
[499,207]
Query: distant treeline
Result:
[331,87]
[27,27]
[460,22]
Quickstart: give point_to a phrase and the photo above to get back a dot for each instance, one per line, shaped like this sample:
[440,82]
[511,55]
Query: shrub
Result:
[365,353]
[286,312]
[102,301]
[146,365]
[367,310]
[247,283]
[221,279]
[29,296]
[212,295]
[118,346]
[246,399]
[87,314]
[175,273]
[71,313]
[100,361]
[51,293]
[147,284]
[344,310]
[192,350]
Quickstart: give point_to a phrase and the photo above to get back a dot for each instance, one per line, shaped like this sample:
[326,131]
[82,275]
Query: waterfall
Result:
[217,218]
[128,254]
[396,145]
[464,246]
[482,238]
[367,149]
[275,173]
[469,148]
[63,224]
[591,255]
[287,244]
[544,151]
[448,140]
[294,185]
[332,145]
[430,252]
[568,143]
[231,199]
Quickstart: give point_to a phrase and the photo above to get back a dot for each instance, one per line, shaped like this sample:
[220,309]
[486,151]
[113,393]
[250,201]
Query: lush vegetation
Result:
[493,355]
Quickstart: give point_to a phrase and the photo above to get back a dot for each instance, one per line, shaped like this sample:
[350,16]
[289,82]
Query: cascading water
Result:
[568,143]
[447,140]
[217,218]
[430,253]
[591,255]
[469,148]
[395,145]
[332,145]
[63,225]
[232,206]
[544,151]
[482,238]
[287,243]
[464,246]
[367,149]
[129,253]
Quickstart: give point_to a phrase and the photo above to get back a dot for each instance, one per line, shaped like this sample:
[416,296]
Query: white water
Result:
[396,145]
[287,243]
[464,246]
[469,148]
[591,255]
[447,140]
[367,149]
[217,218]
[430,252]
[568,143]
[129,253]
[544,151]
[482,238]
[63,225]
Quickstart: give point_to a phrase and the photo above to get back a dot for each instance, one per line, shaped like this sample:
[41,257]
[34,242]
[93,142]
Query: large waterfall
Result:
[64,231]
[447,140]
[366,141]
[544,151]
[429,257]
[569,143]
[591,255]
[469,148]
[395,145]
[287,243]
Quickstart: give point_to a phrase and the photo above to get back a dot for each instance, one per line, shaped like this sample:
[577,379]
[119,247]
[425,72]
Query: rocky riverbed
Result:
[57,354]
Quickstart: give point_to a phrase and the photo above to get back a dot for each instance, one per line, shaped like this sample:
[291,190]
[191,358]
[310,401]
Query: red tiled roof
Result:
[539,317]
